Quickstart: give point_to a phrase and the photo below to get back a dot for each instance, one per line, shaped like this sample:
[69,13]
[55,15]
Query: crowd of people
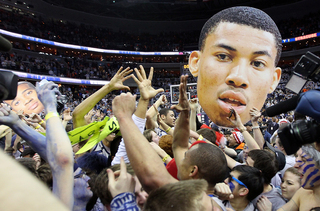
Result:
[108,150]
[88,35]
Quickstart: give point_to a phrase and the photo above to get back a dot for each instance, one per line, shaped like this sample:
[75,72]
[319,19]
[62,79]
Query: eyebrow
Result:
[21,93]
[227,47]
[266,53]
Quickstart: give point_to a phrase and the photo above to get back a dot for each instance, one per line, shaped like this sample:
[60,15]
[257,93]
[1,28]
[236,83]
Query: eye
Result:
[258,64]
[223,57]
[16,103]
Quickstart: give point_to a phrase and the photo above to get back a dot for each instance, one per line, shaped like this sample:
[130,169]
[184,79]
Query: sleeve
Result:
[122,148]
[124,202]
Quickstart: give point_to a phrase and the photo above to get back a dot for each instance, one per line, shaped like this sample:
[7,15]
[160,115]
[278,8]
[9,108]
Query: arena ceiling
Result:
[164,10]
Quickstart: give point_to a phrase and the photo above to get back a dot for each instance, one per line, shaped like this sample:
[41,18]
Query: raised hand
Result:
[67,114]
[47,95]
[183,104]
[235,119]
[123,184]
[163,99]
[7,117]
[193,103]
[124,105]
[34,118]
[146,90]
[116,82]
[255,114]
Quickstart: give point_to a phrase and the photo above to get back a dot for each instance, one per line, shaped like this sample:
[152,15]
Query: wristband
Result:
[40,123]
[242,130]
[255,127]
[167,130]
[38,126]
[165,158]
[51,114]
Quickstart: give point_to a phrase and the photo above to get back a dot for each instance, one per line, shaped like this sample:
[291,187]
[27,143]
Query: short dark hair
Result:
[165,111]
[208,134]
[252,178]
[266,162]
[178,196]
[93,161]
[247,16]
[28,83]
[211,163]
[100,184]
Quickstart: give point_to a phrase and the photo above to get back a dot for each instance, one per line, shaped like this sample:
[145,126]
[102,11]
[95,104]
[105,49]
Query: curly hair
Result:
[165,143]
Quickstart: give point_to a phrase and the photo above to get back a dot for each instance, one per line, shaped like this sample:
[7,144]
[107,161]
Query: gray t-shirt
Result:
[274,197]
[249,207]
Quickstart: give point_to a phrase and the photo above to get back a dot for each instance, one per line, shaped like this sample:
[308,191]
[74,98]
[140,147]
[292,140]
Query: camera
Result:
[302,132]
[8,85]
[61,100]
[299,133]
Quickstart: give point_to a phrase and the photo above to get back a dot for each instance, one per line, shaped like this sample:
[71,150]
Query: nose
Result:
[238,76]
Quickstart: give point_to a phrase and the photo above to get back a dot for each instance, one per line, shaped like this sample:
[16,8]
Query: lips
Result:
[232,99]
[33,106]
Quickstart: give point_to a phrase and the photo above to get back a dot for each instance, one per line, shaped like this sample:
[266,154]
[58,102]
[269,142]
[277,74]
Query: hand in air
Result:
[47,94]
[183,104]
[235,119]
[124,105]
[146,90]
[193,103]
[123,184]
[34,118]
[254,114]
[67,114]
[116,82]
[7,117]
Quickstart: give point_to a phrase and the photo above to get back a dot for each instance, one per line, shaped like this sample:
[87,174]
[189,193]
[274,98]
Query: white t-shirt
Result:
[140,123]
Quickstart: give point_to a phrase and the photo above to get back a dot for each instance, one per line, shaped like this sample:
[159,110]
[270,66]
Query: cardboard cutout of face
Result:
[235,69]
[26,100]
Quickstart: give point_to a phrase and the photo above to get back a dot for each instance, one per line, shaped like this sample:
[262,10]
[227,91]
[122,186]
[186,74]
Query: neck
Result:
[106,143]
[267,188]
[316,192]
[210,190]
[239,203]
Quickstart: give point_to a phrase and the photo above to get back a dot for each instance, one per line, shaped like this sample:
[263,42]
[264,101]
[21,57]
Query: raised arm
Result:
[152,112]
[58,149]
[182,129]
[147,92]
[193,114]
[145,161]
[32,137]
[83,108]
[257,135]
[235,119]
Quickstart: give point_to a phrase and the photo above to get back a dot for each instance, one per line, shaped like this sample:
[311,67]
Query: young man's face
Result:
[309,170]
[26,100]
[235,69]
[169,119]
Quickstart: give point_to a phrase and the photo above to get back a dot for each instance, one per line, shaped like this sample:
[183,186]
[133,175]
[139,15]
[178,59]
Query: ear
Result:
[194,171]
[243,191]
[275,79]
[194,60]
[162,116]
